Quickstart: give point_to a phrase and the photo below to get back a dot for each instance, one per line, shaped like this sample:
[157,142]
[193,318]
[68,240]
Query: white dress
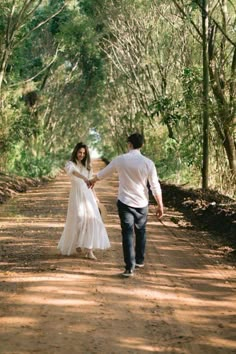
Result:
[84,226]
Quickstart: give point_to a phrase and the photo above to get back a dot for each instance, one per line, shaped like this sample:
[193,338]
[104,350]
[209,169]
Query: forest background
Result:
[98,70]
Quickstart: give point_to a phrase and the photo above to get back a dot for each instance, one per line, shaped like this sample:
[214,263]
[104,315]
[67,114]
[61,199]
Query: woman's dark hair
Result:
[136,140]
[86,160]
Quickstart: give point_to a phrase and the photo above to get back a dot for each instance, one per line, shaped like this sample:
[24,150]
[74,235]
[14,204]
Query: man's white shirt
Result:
[134,171]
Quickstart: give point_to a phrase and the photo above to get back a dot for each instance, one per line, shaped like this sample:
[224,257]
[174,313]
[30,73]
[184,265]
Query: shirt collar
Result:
[134,151]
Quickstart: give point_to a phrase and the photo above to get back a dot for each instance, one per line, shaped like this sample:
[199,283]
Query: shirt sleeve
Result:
[69,168]
[108,170]
[154,181]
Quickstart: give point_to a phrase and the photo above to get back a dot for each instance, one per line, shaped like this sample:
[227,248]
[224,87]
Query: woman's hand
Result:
[87,182]
[93,181]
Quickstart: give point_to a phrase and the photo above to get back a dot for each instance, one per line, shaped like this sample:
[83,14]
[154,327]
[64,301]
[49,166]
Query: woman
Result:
[84,227]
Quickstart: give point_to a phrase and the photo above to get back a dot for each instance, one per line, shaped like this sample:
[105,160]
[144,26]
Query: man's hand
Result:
[159,212]
[87,182]
[160,208]
[92,181]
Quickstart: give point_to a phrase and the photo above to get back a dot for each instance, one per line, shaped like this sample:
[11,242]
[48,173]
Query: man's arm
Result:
[160,207]
[105,172]
[156,190]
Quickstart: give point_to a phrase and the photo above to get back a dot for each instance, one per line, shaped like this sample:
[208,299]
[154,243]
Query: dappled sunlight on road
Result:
[182,301]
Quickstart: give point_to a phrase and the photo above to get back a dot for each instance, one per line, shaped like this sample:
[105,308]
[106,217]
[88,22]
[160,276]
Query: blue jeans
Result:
[133,221]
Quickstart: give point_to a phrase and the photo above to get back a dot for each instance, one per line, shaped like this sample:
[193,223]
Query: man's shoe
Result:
[128,273]
[137,265]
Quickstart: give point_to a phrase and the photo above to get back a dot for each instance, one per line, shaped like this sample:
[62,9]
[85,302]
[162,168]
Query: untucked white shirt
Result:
[134,171]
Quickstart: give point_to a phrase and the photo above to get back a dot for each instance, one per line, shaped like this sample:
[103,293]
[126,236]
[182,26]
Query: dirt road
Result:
[183,301]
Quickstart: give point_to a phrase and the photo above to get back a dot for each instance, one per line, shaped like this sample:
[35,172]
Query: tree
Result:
[205,64]
[15,17]
[222,68]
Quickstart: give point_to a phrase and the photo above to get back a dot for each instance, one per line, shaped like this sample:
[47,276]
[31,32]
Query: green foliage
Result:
[168,109]
[23,128]
[192,79]
[39,123]
[108,152]
[24,163]
[81,50]
[59,21]
[115,67]
[176,161]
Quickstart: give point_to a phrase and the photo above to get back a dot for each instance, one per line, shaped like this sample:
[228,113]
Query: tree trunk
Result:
[3,66]
[230,149]
[205,60]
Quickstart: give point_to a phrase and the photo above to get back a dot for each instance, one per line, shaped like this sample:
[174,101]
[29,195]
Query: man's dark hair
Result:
[136,140]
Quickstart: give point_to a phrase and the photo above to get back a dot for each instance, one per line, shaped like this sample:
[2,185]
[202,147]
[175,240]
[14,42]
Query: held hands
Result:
[93,181]
[87,182]
[90,182]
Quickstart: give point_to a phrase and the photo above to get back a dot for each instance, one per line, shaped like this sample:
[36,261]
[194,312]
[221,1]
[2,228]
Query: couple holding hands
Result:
[84,228]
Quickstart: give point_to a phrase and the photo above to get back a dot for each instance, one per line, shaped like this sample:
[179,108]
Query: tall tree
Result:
[222,67]
[205,65]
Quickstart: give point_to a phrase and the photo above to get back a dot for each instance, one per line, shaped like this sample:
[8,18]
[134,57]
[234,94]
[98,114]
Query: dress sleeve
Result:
[90,174]
[69,168]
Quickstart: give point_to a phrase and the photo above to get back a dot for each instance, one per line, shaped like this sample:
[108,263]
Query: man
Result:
[134,171]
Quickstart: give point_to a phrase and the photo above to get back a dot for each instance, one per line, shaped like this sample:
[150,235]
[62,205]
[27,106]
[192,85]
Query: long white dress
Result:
[84,226]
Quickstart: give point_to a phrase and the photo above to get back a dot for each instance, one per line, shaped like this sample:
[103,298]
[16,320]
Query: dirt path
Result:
[183,301]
